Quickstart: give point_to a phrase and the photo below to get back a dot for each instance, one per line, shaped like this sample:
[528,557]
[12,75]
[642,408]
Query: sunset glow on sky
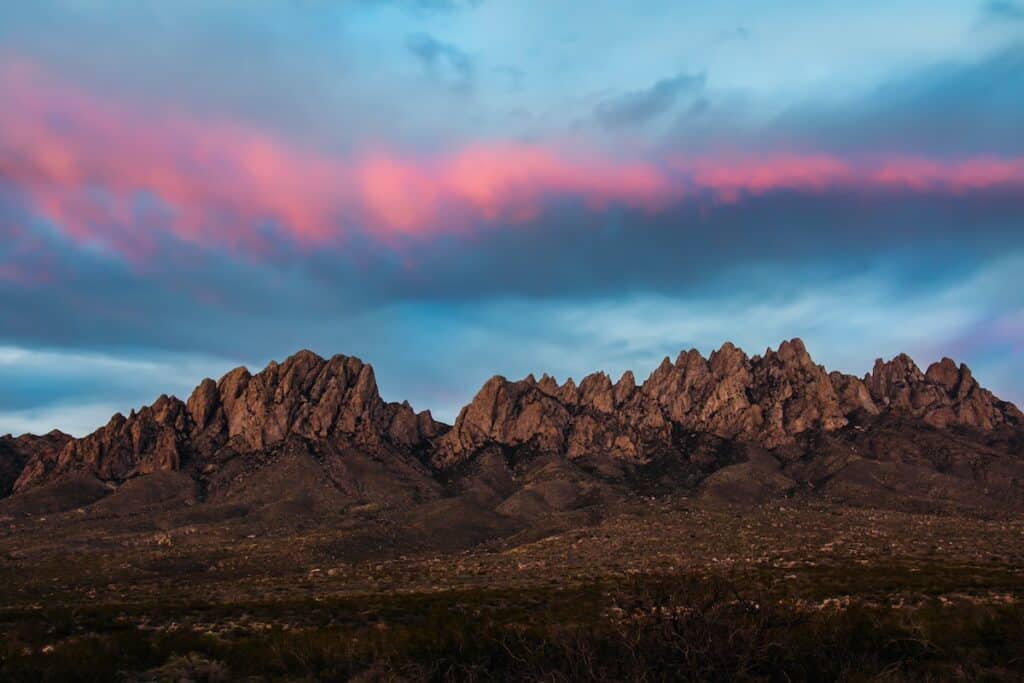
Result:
[451,189]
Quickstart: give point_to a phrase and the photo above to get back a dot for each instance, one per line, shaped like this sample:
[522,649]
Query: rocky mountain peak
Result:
[947,394]
[853,395]
[728,361]
[151,439]
[507,413]
[625,387]
[957,382]
[16,452]
[793,352]
[307,396]
[548,384]
[596,391]
[767,399]
[569,393]
[891,382]
[794,394]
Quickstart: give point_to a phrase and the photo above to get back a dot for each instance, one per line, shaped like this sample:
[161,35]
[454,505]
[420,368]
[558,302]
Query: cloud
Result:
[443,61]
[78,391]
[1004,10]
[104,172]
[437,353]
[641,106]
[153,210]
[951,108]
[77,419]
[290,298]
[847,320]
[174,235]
[122,178]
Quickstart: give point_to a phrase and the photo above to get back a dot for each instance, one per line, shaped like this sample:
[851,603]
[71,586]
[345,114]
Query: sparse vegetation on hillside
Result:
[647,628]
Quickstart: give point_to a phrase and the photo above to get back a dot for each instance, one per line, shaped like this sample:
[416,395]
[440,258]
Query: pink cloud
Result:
[733,179]
[82,162]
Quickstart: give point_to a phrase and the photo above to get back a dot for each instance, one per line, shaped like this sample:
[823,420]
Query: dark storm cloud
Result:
[194,300]
[950,108]
[575,253]
[641,106]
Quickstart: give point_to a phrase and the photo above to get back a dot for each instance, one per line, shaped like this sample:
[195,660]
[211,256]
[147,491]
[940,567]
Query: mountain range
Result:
[312,436]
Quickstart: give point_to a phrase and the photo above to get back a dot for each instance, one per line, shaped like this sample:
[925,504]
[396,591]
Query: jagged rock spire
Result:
[305,396]
[767,399]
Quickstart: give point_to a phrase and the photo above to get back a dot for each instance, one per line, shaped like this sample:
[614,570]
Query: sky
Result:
[452,189]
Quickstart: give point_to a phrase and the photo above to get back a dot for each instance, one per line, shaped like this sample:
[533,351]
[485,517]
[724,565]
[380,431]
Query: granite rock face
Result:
[330,409]
[596,416]
[945,395]
[768,400]
[144,442]
[306,396]
[16,452]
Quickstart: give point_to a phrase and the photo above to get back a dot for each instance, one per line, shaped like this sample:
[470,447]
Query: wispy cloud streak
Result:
[106,171]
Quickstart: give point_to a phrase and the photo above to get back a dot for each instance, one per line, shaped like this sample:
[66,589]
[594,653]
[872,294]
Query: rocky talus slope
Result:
[311,435]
